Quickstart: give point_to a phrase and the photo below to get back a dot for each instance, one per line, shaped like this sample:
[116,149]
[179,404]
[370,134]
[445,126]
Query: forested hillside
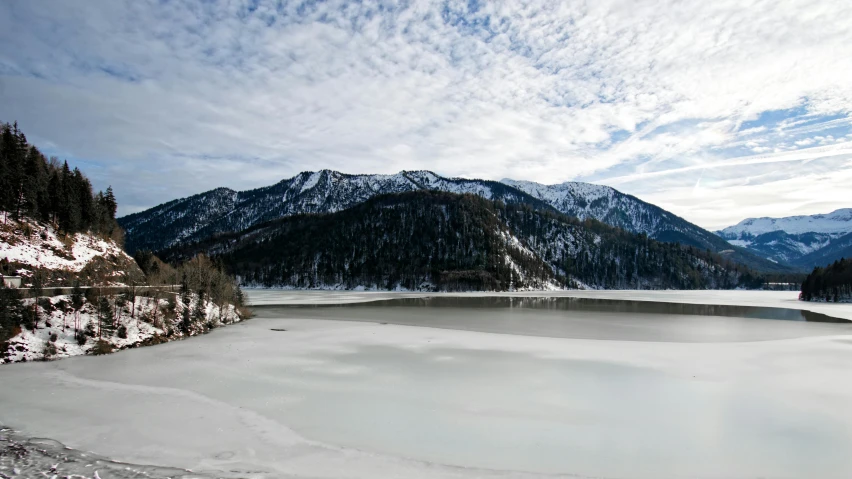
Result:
[832,283]
[442,241]
[226,211]
[222,210]
[36,187]
[60,238]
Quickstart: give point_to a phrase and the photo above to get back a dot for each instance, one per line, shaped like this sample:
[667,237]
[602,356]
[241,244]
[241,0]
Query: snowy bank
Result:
[110,323]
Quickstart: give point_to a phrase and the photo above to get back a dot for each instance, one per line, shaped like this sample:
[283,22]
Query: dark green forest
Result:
[45,189]
[448,242]
[832,283]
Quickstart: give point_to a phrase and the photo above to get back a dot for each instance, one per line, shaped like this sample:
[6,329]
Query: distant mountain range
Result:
[430,240]
[802,241]
[223,211]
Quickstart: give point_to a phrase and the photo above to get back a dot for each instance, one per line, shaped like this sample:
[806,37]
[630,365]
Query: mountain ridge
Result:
[431,240]
[806,241]
[223,210]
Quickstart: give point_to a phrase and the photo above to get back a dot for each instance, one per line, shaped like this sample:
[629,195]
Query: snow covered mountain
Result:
[610,206]
[804,241]
[428,240]
[225,211]
[838,222]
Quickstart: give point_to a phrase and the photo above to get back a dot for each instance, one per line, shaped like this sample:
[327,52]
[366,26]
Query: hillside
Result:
[107,324]
[610,206]
[223,210]
[443,241]
[38,253]
[226,211]
[832,283]
[57,235]
[802,241]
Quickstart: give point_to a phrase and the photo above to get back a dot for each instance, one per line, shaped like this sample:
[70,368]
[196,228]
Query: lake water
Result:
[588,388]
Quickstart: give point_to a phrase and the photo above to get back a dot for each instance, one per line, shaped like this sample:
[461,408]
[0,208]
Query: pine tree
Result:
[106,322]
[11,311]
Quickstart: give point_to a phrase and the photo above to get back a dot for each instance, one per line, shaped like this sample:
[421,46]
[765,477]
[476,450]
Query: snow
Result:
[44,249]
[740,243]
[31,345]
[837,222]
[311,181]
[330,399]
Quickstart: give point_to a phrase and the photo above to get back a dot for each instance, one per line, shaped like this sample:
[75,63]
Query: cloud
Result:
[166,99]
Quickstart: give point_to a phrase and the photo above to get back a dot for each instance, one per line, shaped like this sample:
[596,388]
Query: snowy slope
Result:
[147,321]
[610,206]
[29,245]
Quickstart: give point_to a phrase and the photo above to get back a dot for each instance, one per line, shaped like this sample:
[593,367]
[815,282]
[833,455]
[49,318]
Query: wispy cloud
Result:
[165,99]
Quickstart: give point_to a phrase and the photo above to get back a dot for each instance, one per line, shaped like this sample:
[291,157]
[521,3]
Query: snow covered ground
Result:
[56,334]
[43,248]
[286,396]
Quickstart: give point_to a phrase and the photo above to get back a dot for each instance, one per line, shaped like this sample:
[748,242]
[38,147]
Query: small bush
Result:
[81,338]
[122,332]
[53,338]
[49,350]
[102,347]
[245,313]
[90,329]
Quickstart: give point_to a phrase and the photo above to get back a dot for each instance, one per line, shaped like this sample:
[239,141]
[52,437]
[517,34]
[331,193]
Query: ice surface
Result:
[771,299]
[326,398]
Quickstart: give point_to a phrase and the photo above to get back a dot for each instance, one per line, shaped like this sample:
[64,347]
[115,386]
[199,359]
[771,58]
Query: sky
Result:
[715,110]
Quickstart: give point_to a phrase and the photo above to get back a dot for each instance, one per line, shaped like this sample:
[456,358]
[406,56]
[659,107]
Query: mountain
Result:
[427,240]
[223,210]
[610,206]
[226,211]
[803,241]
[836,222]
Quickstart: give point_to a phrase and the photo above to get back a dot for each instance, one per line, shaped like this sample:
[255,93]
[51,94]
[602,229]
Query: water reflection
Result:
[581,318]
[605,306]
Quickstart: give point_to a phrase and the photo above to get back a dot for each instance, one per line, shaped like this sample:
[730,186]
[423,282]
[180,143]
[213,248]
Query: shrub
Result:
[102,347]
[53,338]
[49,350]
[80,337]
[122,332]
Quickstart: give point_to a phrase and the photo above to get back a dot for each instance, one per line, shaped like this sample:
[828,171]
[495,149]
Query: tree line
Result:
[831,283]
[45,189]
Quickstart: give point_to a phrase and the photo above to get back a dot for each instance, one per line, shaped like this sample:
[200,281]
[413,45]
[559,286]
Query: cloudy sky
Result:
[716,110]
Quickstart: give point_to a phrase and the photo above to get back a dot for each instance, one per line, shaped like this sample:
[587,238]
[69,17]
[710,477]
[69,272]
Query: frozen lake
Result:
[653,387]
